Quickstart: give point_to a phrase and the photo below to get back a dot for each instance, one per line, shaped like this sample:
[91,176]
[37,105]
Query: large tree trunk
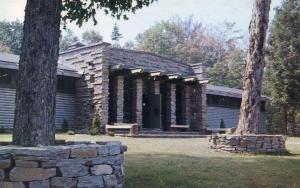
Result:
[36,88]
[250,107]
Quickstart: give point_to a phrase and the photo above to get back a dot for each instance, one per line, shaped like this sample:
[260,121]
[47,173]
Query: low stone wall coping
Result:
[76,164]
[248,143]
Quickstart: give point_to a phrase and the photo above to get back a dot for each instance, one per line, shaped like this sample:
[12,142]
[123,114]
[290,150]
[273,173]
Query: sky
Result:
[209,12]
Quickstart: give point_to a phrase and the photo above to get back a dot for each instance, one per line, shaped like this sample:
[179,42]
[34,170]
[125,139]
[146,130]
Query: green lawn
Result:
[156,163]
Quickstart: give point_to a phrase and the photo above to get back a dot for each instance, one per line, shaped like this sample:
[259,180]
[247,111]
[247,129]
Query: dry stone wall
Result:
[248,143]
[80,165]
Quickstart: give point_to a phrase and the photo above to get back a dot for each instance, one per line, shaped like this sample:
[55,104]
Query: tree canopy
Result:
[11,34]
[192,42]
[283,70]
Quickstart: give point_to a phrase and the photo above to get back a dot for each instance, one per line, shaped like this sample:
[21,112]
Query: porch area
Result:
[155,102]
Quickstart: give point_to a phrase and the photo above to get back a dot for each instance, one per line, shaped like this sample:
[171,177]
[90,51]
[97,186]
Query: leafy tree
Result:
[4,48]
[116,35]
[91,37]
[191,42]
[251,97]
[67,39]
[11,34]
[36,86]
[129,45]
[284,65]
[229,71]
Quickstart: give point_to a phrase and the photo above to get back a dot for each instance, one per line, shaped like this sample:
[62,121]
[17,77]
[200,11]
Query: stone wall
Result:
[81,165]
[92,89]
[248,143]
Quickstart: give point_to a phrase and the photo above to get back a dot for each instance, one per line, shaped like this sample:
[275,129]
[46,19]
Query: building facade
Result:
[119,86]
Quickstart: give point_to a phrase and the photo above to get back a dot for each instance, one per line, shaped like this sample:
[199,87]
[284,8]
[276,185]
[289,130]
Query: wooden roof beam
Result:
[137,70]
[174,76]
[190,79]
[117,67]
[156,73]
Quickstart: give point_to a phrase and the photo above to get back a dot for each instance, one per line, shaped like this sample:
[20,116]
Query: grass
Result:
[187,163]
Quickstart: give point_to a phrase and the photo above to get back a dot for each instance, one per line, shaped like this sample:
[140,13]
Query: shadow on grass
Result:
[180,171]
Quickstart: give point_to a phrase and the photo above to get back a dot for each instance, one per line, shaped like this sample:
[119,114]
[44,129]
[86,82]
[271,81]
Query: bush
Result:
[95,127]
[65,126]
[222,124]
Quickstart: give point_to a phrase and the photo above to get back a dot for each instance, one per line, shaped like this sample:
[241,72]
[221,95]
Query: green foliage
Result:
[4,48]
[67,39]
[91,37]
[222,124]
[11,34]
[65,125]
[116,35]
[282,79]
[192,42]
[81,11]
[95,128]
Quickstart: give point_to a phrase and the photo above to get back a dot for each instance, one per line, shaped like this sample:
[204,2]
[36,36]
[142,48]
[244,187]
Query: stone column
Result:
[198,103]
[173,103]
[203,106]
[120,98]
[139,102]
[187,113]
[156,87]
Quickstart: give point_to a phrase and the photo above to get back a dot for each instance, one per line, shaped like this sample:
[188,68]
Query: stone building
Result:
[121,86]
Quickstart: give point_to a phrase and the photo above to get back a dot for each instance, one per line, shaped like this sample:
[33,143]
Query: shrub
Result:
[222,124]
[65,126]
[95,127]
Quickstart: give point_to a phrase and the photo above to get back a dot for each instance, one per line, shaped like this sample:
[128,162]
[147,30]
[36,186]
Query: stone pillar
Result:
[173,104]
[203,106]
[156,87]
[120,98]
[186,111]
[139,102]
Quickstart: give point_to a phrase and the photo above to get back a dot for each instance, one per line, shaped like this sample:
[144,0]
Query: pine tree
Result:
[284,61]
[116,35]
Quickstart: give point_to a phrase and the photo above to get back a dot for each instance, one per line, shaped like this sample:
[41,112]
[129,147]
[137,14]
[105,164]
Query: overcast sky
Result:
[210,12]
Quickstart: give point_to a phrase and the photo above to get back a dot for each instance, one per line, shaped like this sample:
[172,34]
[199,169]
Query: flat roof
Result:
[10,61]
[227,91]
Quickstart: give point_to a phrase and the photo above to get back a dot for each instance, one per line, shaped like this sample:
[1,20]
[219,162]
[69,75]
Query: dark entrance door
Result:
[152,111]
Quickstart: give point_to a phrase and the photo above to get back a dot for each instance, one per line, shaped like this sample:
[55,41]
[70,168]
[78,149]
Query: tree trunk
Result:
[290,120]
[250,107]
[36,88]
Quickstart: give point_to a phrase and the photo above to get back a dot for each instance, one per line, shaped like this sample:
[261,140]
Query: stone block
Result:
[31,174]
[103,150]
[4,163]
[31,158]
[110,180]
[90,181]
[39,184]
[63,182]
[7,184]
[69,162]
[28,164]
[101,169]
[84,152]
[74,171]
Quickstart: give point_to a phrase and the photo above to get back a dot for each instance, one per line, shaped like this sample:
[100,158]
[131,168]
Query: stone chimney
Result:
[199,71]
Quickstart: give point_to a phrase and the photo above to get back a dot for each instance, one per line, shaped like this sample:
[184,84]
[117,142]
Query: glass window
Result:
[65,84]
[6,78]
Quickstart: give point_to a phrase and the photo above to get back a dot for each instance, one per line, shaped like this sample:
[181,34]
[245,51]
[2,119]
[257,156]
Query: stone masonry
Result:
[98,62]
[248,143]
[120,98]
[173,103]
[82,165]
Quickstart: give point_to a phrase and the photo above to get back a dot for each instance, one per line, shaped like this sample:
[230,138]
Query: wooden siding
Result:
[65,108]
[230,117]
